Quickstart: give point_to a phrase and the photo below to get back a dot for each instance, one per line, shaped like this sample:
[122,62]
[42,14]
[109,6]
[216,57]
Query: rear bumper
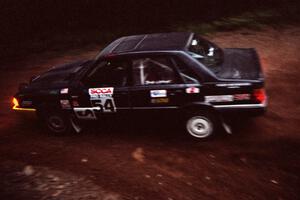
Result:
[242,109]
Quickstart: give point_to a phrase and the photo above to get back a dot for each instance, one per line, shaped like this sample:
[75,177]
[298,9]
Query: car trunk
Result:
[239,64]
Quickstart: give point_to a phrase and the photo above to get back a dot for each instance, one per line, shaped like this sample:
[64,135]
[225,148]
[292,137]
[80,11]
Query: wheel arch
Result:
[199,107]
[43,107]
[202,109]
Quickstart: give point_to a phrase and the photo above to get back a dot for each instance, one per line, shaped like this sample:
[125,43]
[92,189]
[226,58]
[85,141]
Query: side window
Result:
[187,74]
[153,71]
[108,73]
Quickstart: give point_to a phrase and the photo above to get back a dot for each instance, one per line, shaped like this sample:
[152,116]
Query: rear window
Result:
[205,52]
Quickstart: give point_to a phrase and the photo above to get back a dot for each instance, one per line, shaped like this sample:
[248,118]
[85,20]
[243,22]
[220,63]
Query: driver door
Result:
[105,90]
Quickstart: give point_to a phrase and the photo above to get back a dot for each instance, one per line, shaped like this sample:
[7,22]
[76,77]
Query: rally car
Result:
[181,74]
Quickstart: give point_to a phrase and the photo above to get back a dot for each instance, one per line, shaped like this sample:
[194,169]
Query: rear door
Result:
[156,85]
[194,89]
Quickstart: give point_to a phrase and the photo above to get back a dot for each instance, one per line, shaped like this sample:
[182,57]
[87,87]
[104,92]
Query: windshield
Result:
[205,52]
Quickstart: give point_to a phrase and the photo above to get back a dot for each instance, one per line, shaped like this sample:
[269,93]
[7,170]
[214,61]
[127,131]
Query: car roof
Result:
[149,42]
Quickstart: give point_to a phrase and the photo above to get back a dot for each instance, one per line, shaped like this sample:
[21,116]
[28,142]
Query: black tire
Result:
[58,122]
[201,125]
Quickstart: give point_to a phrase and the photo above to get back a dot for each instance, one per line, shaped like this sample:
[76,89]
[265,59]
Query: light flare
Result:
[17,106]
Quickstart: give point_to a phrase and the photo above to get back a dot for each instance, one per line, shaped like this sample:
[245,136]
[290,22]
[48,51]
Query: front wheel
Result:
[61,123]
[201,125]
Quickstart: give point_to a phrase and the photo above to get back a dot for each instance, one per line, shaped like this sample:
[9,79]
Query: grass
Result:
[69,40]
[249,20]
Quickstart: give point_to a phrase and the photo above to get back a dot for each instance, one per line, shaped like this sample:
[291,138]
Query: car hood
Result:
[59,75]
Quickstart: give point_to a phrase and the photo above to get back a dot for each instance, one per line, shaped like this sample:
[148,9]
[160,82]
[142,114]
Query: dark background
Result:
[260,160]
[28,26]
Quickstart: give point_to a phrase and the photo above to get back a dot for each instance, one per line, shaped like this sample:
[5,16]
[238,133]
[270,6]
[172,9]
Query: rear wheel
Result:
[201,125]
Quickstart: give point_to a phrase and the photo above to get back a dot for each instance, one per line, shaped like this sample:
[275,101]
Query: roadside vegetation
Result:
[61,39]
[254,20]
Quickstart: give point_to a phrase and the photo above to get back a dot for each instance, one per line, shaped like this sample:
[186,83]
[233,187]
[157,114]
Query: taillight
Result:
[260,95]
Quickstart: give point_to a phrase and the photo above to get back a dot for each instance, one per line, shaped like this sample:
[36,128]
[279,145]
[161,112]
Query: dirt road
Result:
[261,160]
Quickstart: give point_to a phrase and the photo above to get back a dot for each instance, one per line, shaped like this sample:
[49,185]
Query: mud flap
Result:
[225,126]
[76,127]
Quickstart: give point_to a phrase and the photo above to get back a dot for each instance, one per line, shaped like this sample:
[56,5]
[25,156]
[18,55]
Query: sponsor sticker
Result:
[233,85]
[101,92]
[158,93]
[160,100]
[158,82]
[192,90]
[218,98]
[240,97]
[64,91]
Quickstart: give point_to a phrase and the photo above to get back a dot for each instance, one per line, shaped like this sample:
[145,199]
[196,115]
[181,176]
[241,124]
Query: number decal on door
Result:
[102,98]
[106,104]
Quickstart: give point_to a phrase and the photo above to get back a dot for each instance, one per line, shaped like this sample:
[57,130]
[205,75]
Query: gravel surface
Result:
[261,160]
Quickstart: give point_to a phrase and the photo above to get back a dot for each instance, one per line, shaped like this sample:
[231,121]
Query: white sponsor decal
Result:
[158,82]
[158,93]
[101,92]
[233,85]
[192,90]
[218,98]
[64,91]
